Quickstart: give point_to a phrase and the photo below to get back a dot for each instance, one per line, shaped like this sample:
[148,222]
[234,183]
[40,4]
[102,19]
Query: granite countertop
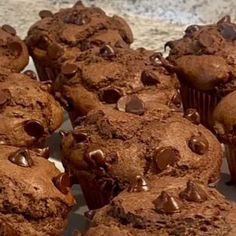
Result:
[153,22]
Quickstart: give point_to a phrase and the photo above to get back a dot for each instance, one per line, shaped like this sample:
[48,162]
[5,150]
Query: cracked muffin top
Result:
[35,196]
[167,206]
[65,34]
[28,112]
[205,57]
[13,51]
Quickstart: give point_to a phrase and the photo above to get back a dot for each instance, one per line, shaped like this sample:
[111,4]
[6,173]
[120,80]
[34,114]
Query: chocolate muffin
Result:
[204,60]
[63,35]
[224,117]
[104,77]
[35,197]
[28,112]
[110,147]
[13,51]
[168,206]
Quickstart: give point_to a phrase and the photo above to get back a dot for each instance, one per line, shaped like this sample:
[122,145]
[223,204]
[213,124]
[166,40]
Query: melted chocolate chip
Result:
[191,29]
[225,19]
[4,97]
[21,158]
[9,29]
[194,192]
[198,144]
[31,74]
[166,204]
[15,48]
[140,185]
[69,70]
[166,156]
[54,51]
[155,58]
[149,78]
[62,182]
[107,51]
[97,156]
[228,31]
[45,13]
[34,128]
[192,115]
[110,95]
[176,99]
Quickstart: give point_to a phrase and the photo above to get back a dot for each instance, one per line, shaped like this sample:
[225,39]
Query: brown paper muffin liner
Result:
[45,73]
[230,153]
[204,102]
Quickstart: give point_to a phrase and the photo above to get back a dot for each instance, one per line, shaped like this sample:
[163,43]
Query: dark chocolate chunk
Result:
[62,182]
[45,13]
[192,115]
[69,70]
[193,192]
[155,58]
[225,19]
[228,31]
[21,158]
[31,74]
[149,78]
[198,144]
[4,97]
[110,95]
[107,51]
[9,29]
[139,185]
[166,156]
[15,48]
[34,128]
[191,29]
[54,51]
[166,204]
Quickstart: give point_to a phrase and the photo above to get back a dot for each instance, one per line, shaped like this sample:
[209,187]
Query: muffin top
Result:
[175,206]
[113,147]
[205,57]
[33,191]
[224,117]
[106,75]
[13,51]
[28,112]
[66,33]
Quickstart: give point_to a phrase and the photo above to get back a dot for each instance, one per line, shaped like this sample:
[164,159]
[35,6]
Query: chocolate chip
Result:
[166,204]
[169,44]
[15,48]
[139,185]
[9,29]
[225,19]
[69,70]
[149,78]
[45,13]
[54,51]
[192,115]
[176,99]
[155,58]
[81,20]
[34,128]
[198,144]
[228,31]
[191,29]
[193,192]
[97,157]
[110,95]
[107,51]
[166,156]
[4,97]
[21,158]
[31,74]
[62,182]
[43,42]
[79,136]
